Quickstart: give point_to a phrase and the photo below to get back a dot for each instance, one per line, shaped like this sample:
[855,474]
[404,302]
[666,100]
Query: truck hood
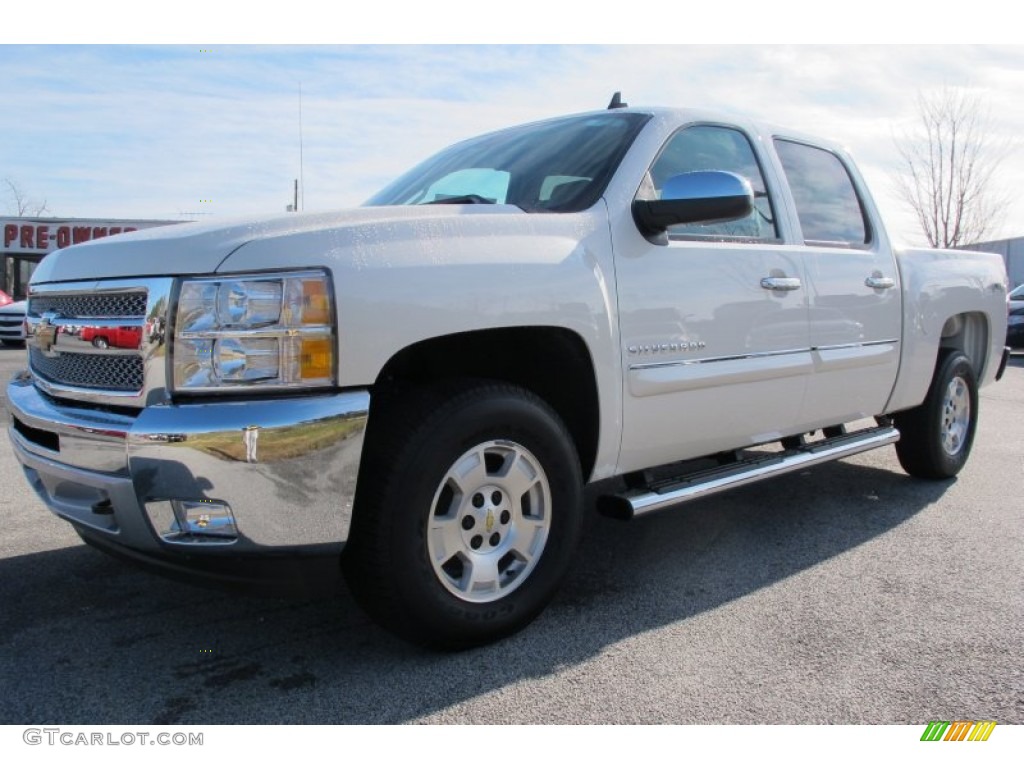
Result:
[200,248]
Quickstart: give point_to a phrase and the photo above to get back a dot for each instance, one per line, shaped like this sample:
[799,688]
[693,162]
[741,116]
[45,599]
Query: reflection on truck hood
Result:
[199,248]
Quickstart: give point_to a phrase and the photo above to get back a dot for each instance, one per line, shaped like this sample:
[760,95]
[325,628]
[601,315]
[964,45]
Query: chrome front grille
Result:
[100,341]
[121,373]
[130,305]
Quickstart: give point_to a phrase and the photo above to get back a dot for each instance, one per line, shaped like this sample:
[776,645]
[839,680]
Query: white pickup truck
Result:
[419,389]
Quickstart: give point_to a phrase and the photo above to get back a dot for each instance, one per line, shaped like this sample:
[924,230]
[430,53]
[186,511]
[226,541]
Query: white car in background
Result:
[12,321]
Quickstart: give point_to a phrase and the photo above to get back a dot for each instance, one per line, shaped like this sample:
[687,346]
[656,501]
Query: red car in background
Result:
[124,336]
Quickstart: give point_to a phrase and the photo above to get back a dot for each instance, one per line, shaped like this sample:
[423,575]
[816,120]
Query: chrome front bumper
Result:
[260,477]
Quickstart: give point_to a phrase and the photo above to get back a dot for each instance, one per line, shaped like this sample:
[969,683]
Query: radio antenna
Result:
[301,201]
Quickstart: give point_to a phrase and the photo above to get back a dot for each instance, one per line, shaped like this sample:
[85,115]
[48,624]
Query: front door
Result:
[714,323]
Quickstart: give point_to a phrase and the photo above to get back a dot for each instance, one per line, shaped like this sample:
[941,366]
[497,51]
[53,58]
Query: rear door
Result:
[853,287]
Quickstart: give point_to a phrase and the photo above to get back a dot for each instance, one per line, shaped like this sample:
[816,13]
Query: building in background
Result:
[27,240]
[1011,250]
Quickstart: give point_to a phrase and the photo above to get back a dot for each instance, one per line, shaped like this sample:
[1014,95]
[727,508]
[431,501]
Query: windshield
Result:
[559,165]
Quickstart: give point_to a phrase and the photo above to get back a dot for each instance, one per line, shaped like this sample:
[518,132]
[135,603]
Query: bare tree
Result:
[20,204]
[948,171]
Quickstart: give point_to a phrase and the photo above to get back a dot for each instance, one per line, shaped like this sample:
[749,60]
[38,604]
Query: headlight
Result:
[254,331]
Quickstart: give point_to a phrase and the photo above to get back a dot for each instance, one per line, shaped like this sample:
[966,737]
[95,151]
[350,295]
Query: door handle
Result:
[781,283]
[877,281]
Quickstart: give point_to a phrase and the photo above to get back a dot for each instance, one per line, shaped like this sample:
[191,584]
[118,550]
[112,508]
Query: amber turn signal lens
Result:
[316,358]
[316,304]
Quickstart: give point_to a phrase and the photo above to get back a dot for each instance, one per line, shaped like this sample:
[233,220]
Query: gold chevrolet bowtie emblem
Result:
[490,521]
[46,335]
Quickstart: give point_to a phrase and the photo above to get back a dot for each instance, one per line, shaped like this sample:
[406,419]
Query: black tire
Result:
[100,342]
[936,437]
[410,555]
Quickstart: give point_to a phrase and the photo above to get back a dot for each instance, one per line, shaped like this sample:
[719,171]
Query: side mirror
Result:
[701,197]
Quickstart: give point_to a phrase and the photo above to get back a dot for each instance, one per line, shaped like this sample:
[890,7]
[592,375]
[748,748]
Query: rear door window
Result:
[827,203]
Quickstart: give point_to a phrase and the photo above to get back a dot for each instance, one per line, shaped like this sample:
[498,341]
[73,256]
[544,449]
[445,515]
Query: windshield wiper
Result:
[462,200]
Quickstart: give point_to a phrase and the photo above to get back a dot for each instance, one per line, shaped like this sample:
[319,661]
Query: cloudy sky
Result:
[193,130]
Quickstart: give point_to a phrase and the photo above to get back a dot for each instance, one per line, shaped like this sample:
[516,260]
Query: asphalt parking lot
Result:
[848,593]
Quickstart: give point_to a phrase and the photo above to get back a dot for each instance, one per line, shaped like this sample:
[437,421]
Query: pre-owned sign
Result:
[40,236]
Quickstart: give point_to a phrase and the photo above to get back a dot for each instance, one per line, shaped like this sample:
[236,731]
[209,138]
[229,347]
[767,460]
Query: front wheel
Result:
[468,511]
[936,437]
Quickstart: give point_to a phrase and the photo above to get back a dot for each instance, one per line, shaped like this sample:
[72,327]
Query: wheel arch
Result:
[552,362]
[924,346]
[969,333]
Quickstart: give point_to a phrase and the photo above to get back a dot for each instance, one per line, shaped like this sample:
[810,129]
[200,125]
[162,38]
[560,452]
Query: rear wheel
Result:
[936,437]
[468,512]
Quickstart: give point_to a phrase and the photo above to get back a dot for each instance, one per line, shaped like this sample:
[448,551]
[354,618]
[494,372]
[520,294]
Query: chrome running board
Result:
[667,493]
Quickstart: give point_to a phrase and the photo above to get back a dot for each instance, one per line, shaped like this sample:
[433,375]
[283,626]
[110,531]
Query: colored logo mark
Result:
[958,730]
